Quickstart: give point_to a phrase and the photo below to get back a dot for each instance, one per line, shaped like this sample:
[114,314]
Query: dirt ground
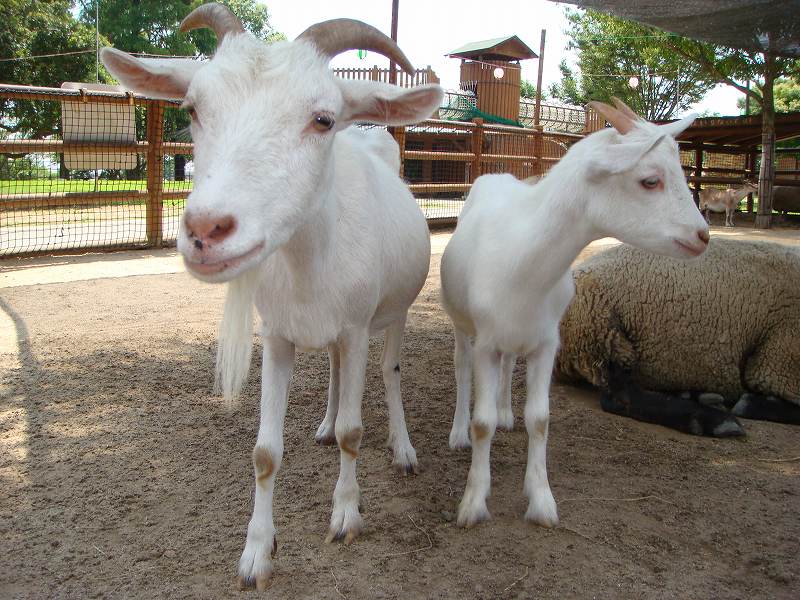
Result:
[121,476]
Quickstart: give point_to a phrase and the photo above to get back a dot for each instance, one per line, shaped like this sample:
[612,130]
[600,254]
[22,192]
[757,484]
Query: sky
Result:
[428,29]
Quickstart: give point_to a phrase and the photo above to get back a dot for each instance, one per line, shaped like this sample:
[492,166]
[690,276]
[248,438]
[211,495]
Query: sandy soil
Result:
[121,476]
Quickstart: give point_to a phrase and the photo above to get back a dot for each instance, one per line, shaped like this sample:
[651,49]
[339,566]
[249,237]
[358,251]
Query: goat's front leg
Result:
[255,565]
[541,505]
[325,432]
[472,509]
[404,455]
[462,359]
[346,520]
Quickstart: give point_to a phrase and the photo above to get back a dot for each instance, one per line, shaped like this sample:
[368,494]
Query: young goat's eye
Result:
[322,122]
[650,183]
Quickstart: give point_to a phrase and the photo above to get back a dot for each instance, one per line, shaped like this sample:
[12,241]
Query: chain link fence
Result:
[96,168]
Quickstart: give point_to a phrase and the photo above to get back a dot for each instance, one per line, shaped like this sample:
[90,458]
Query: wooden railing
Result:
[403,79]
[440,161]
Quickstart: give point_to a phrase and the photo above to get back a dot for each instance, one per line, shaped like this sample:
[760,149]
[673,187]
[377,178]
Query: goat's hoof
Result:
[472,510]
[405,459]
[346,525]
[542,509]
[255,565]
[459,439]
[325,435]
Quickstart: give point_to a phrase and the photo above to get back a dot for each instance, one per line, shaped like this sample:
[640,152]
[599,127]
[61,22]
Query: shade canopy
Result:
[759,25]
[504,48]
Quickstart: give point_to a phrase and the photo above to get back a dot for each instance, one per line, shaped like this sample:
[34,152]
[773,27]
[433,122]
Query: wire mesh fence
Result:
[92,169]
[88,169]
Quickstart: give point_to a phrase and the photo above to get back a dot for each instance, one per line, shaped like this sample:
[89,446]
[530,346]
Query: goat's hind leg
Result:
[541,504]
[462,358]
[325,432]
[472,509]
[404,455]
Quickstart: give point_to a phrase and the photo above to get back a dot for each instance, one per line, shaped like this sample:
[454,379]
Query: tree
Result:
[612,51]
[151,27]
[732,66]
[527,89]
[36,27]
[786,92]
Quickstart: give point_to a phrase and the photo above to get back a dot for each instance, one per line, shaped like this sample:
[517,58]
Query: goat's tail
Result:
[235,345]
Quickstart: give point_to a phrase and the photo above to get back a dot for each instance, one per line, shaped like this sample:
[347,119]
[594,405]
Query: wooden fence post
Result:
[749,165]
[698,172]
[477,149]
[400,137]
[155,173]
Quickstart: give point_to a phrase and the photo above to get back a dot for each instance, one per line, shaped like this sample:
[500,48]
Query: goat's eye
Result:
[323,122]
[650,183]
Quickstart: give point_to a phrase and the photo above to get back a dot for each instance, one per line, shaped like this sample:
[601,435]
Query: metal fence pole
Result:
[155,173]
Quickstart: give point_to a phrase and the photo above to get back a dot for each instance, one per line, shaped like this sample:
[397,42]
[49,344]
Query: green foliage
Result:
[787,97]
[151,27]
[611,50]
[568,90]
[527,89]
[34,27]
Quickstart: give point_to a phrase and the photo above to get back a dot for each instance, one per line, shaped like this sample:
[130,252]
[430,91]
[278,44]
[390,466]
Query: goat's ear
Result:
[677,127]
[620,157]
[157,78]
[384,104]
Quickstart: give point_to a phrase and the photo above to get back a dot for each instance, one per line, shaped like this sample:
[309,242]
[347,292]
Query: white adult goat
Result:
[506,277]
[726,200]
[306,220]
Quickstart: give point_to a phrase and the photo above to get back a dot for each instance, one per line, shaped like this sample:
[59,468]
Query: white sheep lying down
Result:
[727,323]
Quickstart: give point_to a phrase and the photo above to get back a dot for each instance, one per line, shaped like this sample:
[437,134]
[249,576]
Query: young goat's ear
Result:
[157,78]
[620,157]
[384,104]
[677,127]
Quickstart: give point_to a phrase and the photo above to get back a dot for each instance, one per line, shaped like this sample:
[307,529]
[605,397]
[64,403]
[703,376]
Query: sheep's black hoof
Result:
[766,408]
[697,414]
[714,422]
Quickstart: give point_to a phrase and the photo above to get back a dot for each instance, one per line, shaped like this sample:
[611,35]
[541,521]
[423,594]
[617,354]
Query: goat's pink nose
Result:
[204,229]
[703,235]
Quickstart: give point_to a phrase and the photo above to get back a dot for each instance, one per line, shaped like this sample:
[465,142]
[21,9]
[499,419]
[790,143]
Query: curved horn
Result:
[214,16]
[338,35]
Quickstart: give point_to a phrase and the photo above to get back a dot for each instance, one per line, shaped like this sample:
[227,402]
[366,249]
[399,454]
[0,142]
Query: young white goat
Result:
[306,220]
[506,277]
[726,200]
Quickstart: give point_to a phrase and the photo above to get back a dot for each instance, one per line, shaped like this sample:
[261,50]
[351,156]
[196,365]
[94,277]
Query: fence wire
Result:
[77,172]
[98,169]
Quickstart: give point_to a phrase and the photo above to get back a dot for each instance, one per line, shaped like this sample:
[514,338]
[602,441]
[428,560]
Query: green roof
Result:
[508,47]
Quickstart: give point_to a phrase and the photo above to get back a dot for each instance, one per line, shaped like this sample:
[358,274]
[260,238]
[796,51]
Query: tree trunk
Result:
[766,175]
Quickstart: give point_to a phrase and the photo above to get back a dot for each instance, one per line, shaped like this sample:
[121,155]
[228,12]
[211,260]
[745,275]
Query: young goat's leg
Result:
[404,456]
[462,358]
[345,519]
[255,565]
[325,432]
[473,509]
[541,505]
[505,415]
